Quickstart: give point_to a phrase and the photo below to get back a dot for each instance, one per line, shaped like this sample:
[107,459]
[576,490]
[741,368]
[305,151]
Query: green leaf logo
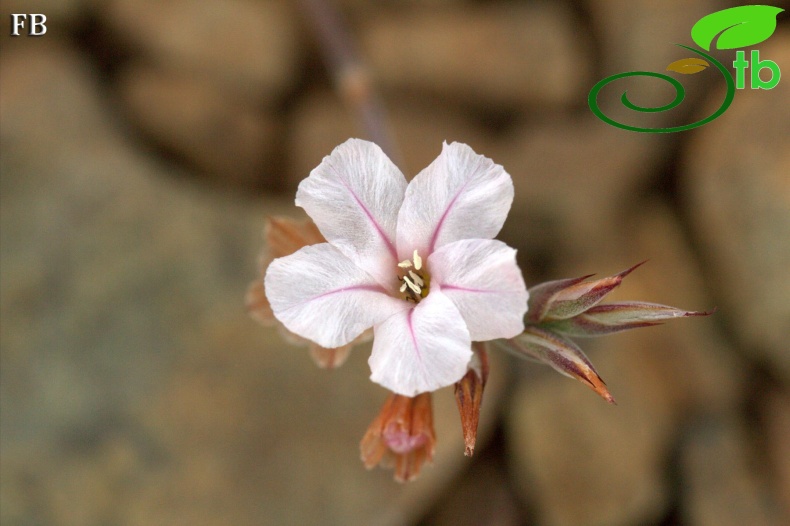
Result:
[739,27]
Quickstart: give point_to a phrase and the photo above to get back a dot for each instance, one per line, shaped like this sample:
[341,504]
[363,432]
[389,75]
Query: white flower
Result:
[415,261]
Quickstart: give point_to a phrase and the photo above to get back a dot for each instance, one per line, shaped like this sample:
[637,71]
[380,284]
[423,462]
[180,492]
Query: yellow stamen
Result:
[411,285]
[417,261]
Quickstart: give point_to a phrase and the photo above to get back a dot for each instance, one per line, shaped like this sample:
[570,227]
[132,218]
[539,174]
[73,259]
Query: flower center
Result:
[414,278]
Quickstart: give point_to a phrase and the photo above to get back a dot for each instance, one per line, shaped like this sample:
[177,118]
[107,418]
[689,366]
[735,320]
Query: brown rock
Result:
[573,178]
[720,485]
[483,497]
[318,123]
[72,107]
[737,193]
[503,55]
[248,47]
[582,461]
[776,417]
[200,123]
[638,34]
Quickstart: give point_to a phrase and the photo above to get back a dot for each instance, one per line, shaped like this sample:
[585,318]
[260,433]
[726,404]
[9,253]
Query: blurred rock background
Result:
[143,143]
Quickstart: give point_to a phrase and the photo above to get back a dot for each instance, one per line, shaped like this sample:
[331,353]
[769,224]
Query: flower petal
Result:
[460,195]
[319,294]
[421,349]
[483,280]
[354,196]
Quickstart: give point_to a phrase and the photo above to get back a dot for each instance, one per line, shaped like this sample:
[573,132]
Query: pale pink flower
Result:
[415,261]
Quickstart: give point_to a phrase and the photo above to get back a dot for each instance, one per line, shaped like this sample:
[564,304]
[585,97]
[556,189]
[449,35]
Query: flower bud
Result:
[469,395]
[330,358]
[283,237]
[562,355]
[401,436]
[560,300]
[257,304]
[615,317]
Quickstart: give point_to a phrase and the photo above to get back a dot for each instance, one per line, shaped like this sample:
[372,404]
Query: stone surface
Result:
[572,178]
[776,419]
[482,497]
[721,485]
[737,193]
[498,54]
[196,121]
[638,34]
[582,461]
[247,47]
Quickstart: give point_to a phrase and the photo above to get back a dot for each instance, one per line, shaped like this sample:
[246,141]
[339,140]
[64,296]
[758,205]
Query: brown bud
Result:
[401,436]
[567,298]
[257,304]
[616,317]
[469,395]
[283,237]
[562,355]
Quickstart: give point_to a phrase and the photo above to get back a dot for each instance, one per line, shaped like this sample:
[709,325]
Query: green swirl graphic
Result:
[680,94]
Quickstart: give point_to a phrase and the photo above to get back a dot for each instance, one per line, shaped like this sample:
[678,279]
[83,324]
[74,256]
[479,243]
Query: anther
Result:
[411,285]
[417,261]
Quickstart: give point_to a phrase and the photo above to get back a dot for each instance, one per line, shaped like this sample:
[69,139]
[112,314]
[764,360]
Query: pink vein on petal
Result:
[440,224]
[390,245]
[372,288]
[467,289]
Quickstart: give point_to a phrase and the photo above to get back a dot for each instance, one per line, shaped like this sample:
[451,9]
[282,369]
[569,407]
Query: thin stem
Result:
[350,74]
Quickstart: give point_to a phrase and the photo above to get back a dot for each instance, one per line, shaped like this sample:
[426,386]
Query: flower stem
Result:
[350,74]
